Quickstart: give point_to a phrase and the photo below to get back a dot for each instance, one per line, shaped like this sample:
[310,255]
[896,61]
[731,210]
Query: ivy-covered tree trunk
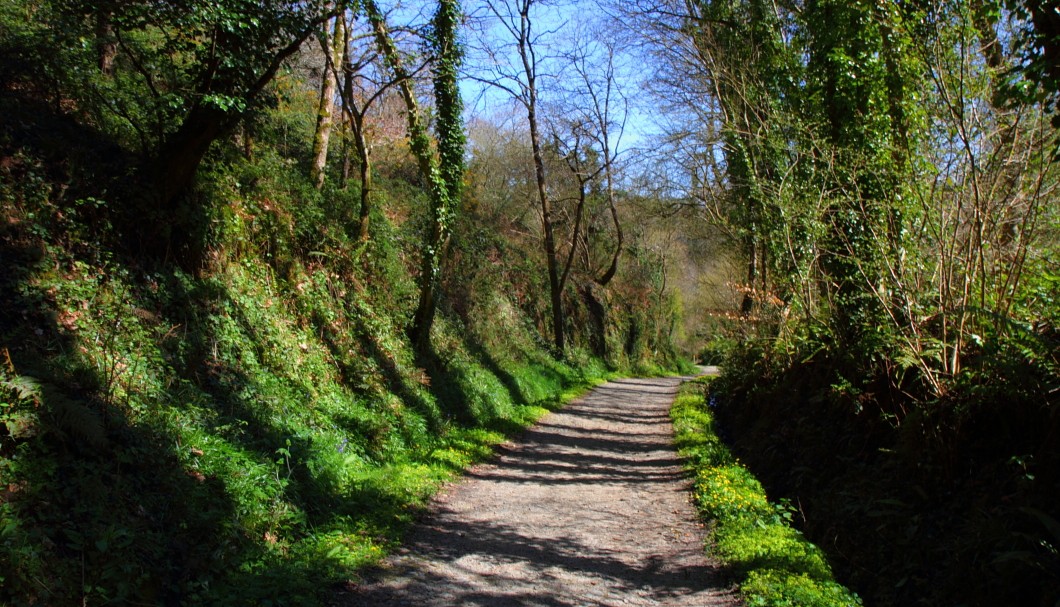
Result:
[451,142]
[849,83]
[443,175]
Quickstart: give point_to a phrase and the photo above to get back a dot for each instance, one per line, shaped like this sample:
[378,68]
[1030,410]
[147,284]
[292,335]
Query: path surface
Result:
[590,507]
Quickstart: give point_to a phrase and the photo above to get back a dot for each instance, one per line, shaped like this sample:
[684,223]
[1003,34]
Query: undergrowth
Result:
[204,440]
[776,565]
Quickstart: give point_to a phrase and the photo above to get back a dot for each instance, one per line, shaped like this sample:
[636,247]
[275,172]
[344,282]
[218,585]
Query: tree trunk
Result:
[609,175]
[597,319]
[322,135]
[576,232]
[246,140]
[355,117]
[451,141]
[549,240]
[180,155]
[363,153]
[749,296]
[176,227]
[346,165]
[106,44]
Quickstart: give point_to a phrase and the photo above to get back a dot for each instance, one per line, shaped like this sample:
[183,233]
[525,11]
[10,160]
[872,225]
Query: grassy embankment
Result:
[774,564]
[248,433]
[201,439]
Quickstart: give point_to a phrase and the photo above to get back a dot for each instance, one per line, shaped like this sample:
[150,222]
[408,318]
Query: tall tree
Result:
[848,88]
[516,21]
[447,55]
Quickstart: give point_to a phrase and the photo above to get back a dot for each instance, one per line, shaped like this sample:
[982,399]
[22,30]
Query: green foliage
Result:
[777,565]
[19,402]
[1035,75]
[772,588]
[715,351]
[253,426]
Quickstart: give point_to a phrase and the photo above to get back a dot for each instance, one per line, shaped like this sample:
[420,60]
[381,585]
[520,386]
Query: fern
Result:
[24,388]
[19,397]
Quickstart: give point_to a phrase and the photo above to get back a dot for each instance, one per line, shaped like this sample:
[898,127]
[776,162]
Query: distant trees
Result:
[599,108]
[521,79]
[576,118]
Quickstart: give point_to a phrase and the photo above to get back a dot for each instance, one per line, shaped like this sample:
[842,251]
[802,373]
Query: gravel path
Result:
[590,507]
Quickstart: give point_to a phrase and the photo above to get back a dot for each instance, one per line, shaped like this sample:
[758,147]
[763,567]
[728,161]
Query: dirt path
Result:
[590,507]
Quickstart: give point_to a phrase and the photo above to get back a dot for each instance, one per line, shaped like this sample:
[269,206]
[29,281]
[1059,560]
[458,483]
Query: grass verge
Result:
[775,565]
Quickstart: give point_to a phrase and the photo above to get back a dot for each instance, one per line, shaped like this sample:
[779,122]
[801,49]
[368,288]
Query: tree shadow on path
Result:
[590,507]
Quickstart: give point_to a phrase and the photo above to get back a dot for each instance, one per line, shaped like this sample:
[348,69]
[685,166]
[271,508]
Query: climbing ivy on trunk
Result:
[444,172]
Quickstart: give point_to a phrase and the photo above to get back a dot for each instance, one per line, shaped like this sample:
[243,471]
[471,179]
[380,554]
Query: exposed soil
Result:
[590,507]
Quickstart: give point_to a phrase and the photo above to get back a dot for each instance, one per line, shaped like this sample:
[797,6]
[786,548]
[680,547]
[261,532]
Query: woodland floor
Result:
[589,507]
